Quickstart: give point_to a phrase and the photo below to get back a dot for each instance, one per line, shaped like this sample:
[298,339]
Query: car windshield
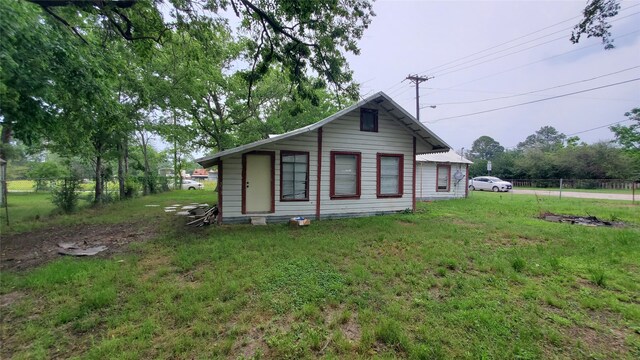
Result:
[494,179]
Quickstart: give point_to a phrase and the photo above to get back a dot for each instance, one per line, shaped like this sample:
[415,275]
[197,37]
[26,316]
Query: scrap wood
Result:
[74,251]
[206,218]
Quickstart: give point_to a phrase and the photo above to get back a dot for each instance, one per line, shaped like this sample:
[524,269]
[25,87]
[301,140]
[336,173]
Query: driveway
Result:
[574,194]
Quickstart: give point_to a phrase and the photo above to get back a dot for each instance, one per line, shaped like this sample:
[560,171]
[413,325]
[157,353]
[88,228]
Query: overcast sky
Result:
[519,47]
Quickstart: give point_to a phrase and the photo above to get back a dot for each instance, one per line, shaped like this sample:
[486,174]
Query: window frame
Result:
[438,166]
[284,153]
[375,119]
[332,176]
[400,189]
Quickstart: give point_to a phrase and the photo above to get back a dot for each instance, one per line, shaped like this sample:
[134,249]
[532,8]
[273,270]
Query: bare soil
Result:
[579,220]
[28,250]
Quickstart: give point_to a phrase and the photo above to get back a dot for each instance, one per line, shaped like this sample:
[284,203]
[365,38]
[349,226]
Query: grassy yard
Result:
[30,211]
[602,191]
[474,278]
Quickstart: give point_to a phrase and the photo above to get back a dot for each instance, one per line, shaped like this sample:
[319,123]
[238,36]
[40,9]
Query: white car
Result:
[489,183]
[191,185]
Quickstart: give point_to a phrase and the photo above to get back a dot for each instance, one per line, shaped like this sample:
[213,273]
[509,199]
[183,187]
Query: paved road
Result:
[574,194]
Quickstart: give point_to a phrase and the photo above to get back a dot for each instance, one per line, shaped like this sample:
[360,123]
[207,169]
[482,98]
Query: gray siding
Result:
[232,181]
[342,134]
[426,183]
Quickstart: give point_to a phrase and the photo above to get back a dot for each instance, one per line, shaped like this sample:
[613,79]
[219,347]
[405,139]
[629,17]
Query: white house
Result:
[360,161]
[442,176]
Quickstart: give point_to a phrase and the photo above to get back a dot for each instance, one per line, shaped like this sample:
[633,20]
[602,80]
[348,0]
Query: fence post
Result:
[560,188]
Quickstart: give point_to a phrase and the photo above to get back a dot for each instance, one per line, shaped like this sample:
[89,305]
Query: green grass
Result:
[602,191]
[475,278]
[30,211]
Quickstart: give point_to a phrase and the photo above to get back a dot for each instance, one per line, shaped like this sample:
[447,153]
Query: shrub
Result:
[65,195]
[598,277]
[518,264]
[131,187]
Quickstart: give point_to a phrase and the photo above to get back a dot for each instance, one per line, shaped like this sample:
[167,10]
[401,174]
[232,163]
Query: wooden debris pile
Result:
[201,214]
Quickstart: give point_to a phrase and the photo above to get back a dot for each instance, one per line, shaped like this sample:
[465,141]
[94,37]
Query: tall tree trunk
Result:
[147,171]
[5,138]
[126,157]
[98,192]
[175,156]
[121,176]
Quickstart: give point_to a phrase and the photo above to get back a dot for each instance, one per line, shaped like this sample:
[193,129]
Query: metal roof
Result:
[444,157]
[381,99]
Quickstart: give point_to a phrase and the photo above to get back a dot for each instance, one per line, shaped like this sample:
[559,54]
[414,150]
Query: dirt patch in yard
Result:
[28,250]
[10,298]
[579,220]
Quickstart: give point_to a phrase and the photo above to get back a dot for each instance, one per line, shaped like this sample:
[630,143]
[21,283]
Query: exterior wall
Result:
[426,182]
[342,134]
[232,180]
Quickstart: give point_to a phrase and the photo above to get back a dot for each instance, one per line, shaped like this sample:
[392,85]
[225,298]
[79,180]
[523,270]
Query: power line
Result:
[515,52]
[499,45]
[541,60]
[599,127]
[535,91]
[535,101]
[516,39]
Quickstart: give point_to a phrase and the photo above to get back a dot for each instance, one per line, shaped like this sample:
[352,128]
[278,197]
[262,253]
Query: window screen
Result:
[444,172]
[390,175]
[295,167]
[345,175]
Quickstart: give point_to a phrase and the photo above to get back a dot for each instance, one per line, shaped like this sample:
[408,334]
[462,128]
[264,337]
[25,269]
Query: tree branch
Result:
[66,23]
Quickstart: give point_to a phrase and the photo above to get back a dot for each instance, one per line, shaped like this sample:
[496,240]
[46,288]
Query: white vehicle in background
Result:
[191,185]
[489,183]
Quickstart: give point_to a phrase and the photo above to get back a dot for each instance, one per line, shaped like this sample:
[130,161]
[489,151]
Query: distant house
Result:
[357,162]
[200,174]
[442,176]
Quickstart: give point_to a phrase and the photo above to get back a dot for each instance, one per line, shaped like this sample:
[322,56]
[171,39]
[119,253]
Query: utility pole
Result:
[417,79]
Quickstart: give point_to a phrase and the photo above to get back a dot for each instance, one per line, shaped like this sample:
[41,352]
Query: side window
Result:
[368,120]
[444,177]
[390,175]
[294,176]
[345,175]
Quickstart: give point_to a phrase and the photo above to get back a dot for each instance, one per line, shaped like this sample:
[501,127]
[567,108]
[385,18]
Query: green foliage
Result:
[390,333]
[238,289]
[45,174]
[629,138]
[598,276]
[485,148]
[595,21]
[294,283]
[518,264]
[131,187]
[66,194]
[545,139]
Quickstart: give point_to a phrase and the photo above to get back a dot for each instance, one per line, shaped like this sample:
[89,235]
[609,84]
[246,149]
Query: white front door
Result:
[258,187]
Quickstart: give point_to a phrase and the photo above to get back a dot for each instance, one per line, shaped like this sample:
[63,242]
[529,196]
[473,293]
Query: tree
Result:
[547,138]
[301,36]
[485,148]
[629,136]
[595,21]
